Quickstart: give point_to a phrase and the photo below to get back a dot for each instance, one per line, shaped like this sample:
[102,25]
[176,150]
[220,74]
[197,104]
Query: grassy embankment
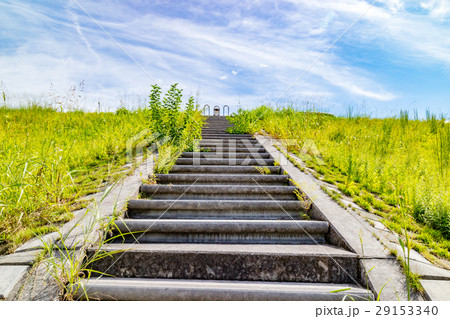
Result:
[50,160]
[397,168]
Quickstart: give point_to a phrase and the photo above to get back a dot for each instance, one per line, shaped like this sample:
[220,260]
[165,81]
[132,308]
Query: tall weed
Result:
[386,157]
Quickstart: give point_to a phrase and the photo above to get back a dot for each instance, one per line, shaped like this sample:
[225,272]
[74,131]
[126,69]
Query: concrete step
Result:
[217,137]
[217,121]
[143,289]
[225,161]
[237,135]
[223,155]
[227,136]
[214,205]
[221,231]
[226,144]
[232,149]
[226,179]
[218,192]
[219,126]
[245,141]
[216,209]
[289,263]
[218,133]
[222,169]
[217,214]
[208,131]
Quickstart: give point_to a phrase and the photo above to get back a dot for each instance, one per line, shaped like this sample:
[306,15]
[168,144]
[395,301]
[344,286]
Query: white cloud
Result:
[270,51]
[437,8]
[394,5]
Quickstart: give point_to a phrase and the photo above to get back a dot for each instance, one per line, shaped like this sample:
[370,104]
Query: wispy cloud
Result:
[437,8]
[79,30]
[246,50]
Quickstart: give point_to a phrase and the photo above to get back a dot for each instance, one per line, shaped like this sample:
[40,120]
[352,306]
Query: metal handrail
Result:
[209,110]
[228,110]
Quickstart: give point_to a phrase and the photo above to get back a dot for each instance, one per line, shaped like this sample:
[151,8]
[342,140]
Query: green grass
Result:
[384,164]
[49,160]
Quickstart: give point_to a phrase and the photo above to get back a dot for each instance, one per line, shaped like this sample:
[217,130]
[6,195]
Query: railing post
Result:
[209,110]
[228,110]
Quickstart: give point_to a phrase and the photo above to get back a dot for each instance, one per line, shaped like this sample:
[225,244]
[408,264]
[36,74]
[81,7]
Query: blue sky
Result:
[395,55]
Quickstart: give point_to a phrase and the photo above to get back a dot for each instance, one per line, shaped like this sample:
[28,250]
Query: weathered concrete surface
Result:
[222,209]
[254,192]
[221,169]
[224,226]
[10,276]
[224,155]
[136,289]
[24,258]
[221,231]
[219,220]
[347,229]
[226,161]
[437,290]
[298,263]
[221,179]
[173,204]
[228,149]
[37,285]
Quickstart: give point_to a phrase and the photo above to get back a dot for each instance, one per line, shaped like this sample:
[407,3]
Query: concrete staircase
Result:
[225,224]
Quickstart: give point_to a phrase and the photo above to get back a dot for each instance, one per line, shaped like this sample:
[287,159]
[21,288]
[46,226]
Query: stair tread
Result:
[222,166]
[319,250]
[225,161]
[215,188]
[222,225]
[235,149]
[221,154]
[182,289]
[216,204]
[230,179]
[232,169]
[228,176]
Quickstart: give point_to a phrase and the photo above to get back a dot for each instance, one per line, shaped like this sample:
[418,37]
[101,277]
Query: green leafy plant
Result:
[181,127]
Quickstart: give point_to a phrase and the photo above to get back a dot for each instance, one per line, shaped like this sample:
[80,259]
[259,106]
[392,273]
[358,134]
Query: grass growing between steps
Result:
[383,164]
[50,160]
